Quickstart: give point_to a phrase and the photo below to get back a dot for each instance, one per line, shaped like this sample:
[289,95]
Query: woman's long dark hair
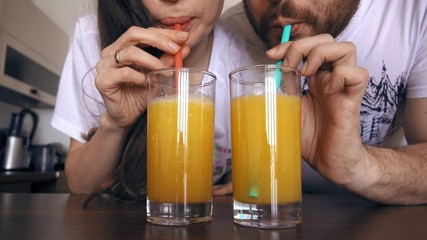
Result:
[128,181]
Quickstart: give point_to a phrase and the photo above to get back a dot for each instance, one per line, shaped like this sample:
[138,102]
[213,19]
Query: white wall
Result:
[65,12]
[229,3]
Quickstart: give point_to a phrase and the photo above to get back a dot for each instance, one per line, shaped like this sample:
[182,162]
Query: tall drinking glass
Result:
[266,146]
[180,146]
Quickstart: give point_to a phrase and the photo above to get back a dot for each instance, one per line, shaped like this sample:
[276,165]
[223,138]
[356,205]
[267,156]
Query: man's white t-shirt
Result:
[391,42]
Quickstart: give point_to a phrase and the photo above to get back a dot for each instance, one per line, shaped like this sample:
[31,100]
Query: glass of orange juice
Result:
[180,146]
[266,146]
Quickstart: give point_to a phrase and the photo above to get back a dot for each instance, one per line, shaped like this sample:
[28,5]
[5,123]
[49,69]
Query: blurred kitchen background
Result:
[34,40]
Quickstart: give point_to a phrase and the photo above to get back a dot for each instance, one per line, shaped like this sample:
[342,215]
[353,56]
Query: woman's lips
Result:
[171,21]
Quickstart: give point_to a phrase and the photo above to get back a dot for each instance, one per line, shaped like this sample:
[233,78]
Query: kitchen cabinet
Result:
[32,52]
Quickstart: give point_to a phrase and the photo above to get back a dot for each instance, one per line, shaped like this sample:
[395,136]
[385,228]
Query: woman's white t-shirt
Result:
[79,104]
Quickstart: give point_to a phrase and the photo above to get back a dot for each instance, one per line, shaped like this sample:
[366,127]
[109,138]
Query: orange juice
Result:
[266,149]
[180,150]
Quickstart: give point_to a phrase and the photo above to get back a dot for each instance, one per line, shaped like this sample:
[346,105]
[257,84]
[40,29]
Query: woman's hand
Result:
[121,72]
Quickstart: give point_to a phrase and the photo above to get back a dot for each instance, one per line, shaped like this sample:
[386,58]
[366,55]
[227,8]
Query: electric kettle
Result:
[17,154]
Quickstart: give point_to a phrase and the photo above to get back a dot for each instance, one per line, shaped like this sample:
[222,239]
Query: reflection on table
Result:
[61,216]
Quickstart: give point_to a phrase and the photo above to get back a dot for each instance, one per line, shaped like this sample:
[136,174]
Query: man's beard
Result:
[332,20]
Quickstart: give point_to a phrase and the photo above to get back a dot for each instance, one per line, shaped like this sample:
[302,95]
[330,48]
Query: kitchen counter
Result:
[32,181]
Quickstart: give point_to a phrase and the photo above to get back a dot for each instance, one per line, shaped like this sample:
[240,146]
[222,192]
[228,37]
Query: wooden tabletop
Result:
[61,216]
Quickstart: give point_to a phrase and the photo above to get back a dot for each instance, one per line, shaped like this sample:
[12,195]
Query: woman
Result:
[136,37]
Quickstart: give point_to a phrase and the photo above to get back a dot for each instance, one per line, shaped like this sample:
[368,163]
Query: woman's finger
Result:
[132,56]
[169,59]
[166,40]
[110,79]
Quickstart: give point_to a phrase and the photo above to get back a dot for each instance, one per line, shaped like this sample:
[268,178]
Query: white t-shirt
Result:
[391,41]
[79,104]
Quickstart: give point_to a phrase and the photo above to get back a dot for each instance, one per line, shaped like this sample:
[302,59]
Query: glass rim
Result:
[184,69]
[259,66]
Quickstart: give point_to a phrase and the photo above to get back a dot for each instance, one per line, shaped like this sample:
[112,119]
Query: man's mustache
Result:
[287,9]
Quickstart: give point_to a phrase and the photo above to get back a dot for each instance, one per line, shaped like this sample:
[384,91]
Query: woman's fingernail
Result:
[173,46]
[182,34]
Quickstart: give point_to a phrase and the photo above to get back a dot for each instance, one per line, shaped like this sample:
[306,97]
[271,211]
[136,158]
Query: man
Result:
[391,42]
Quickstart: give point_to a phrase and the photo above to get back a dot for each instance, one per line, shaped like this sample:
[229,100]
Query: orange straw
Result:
[178,59]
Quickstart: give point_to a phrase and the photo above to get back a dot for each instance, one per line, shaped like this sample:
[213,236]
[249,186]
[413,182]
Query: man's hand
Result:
[331,141]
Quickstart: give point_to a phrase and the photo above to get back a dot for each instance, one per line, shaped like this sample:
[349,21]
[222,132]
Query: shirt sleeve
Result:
[78,103]
[417,81]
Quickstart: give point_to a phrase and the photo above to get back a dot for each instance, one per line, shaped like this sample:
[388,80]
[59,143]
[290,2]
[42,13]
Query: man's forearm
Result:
[394,176]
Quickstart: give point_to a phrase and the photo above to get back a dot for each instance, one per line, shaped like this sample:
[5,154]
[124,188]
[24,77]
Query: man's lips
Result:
[278,28]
